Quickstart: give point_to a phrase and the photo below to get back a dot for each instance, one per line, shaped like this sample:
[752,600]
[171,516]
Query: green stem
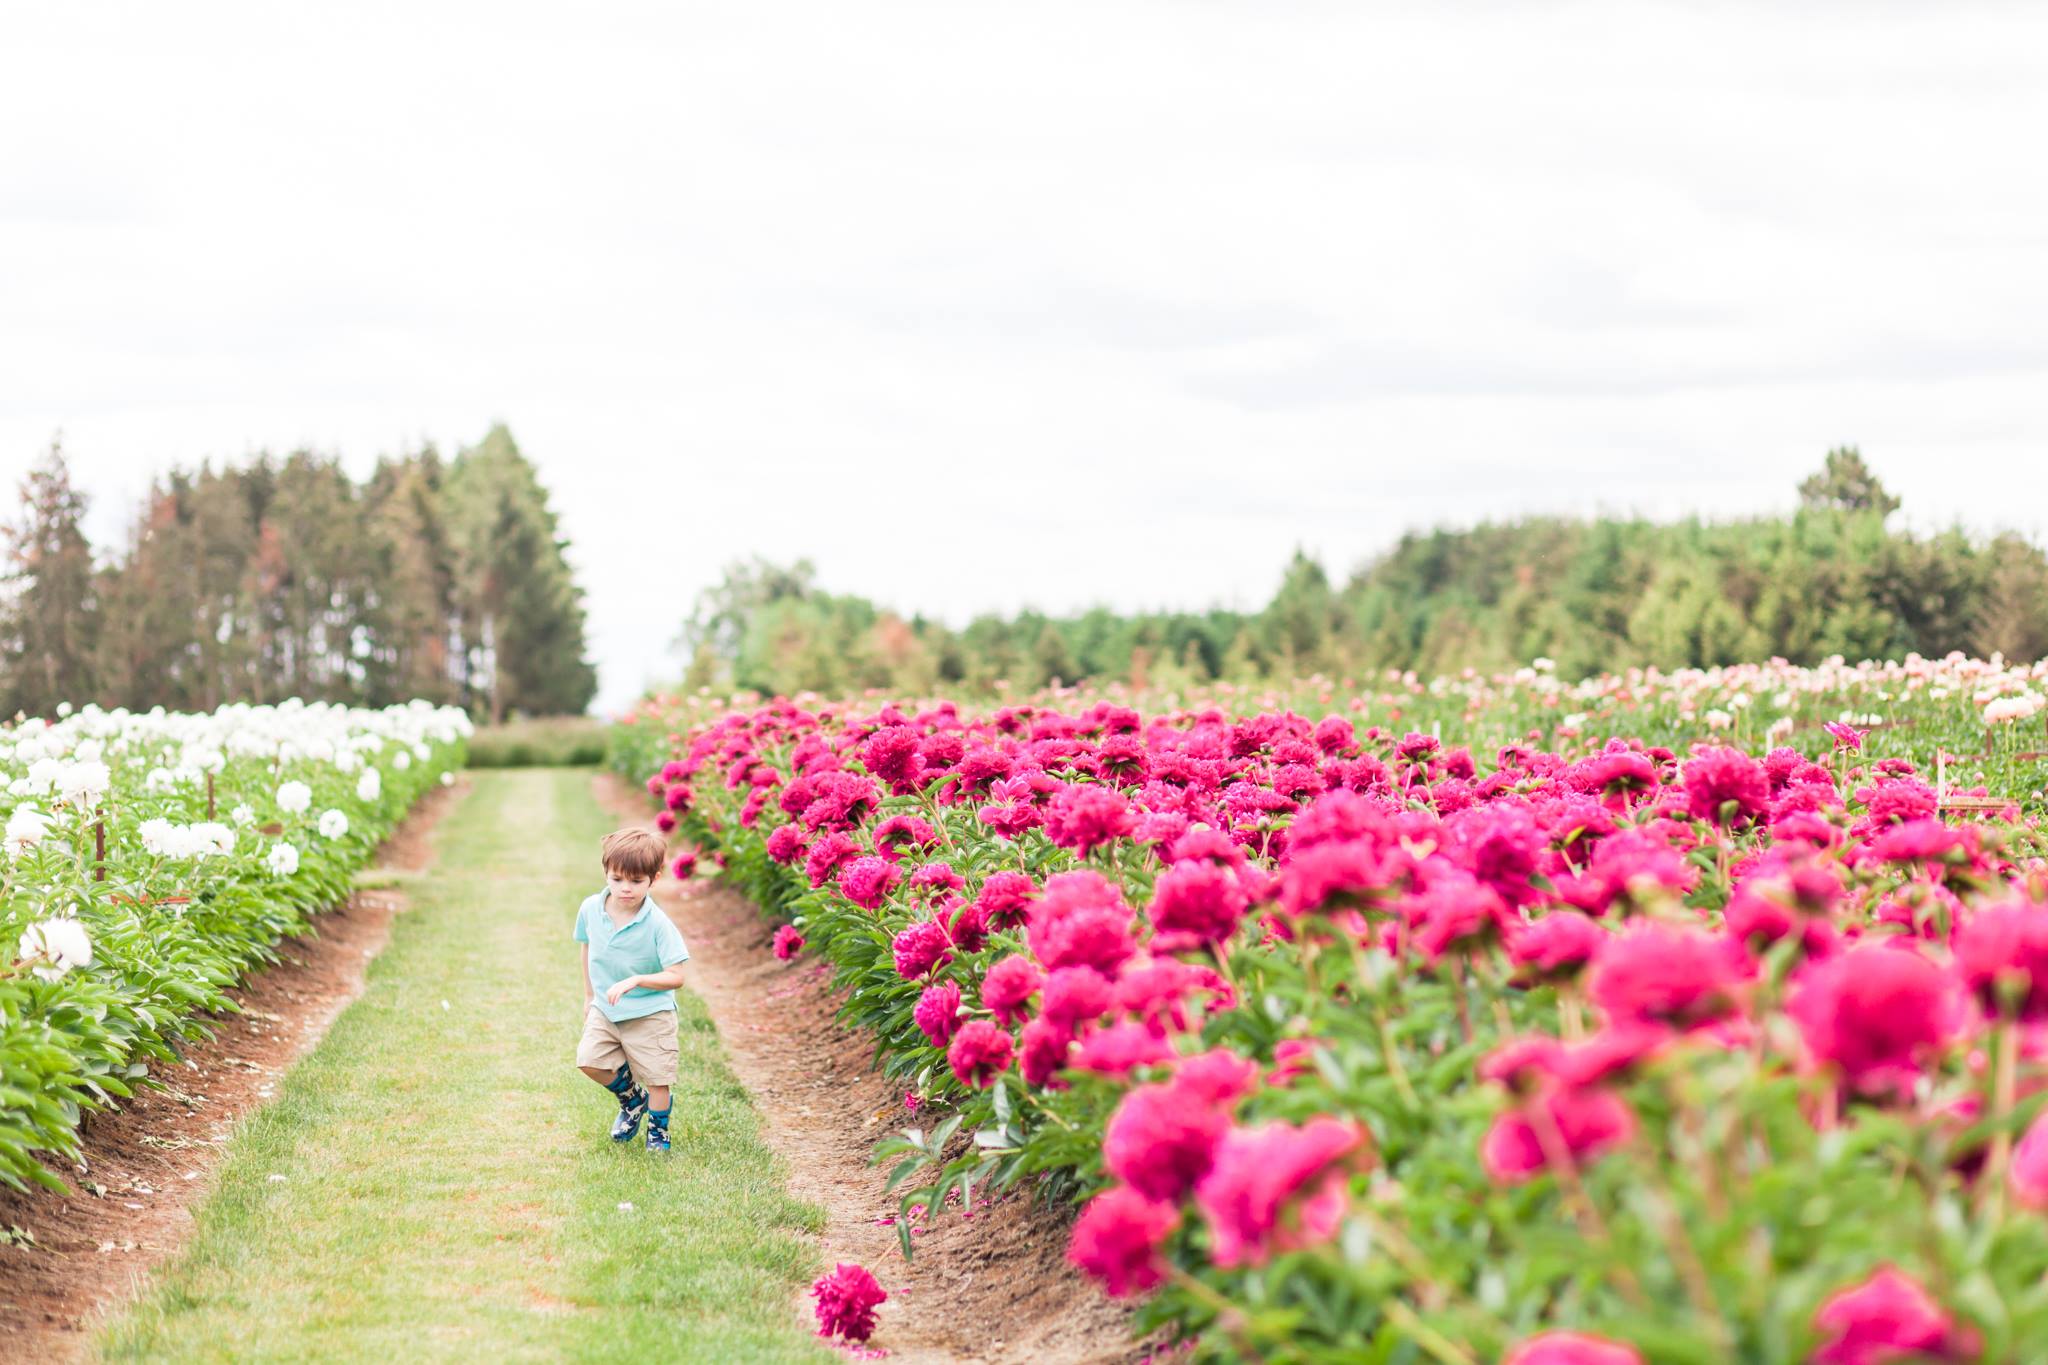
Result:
[1425,1336]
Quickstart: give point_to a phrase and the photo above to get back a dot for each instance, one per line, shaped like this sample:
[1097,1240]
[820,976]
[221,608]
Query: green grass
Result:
[447,1188]
[542,742]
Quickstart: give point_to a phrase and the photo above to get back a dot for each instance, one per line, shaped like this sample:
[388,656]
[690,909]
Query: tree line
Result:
[282,577]
[1834,577]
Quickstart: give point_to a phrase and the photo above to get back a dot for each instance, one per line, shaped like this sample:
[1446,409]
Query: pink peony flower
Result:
[822,863]
[936,877]
[1559,944]
[1276,1187]
[1008,985]
[684,865]
[1120,1049]
[1456,911]
[1162,1140]
[846,1302]
[1726,786]
[1657,974]
[1334,734]
[1195,903]
[921,949]
[1046,1047]
[1876,1012]
[1588,1122]
[867,881]
[900,832]
[1888,1318]
[1218,1076]
[938,1012]
[980,1053]
[965,923]
[788,942]
[2002,953]
[1075,995]
[1845,736]
[892,754]
[786,843]
[1005,898]
[1572,1348]
[1117,1238]
[1084,818]
[1081,922]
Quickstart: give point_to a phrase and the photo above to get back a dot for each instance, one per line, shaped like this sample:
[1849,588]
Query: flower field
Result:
[1690,1017]
[151,860]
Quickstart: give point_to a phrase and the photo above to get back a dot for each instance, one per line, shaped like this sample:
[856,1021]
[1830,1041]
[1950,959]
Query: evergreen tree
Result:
[1846,483]
[48,599]
[521,612]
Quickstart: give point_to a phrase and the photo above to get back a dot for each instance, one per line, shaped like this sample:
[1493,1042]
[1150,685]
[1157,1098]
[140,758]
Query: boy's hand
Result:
[619,988]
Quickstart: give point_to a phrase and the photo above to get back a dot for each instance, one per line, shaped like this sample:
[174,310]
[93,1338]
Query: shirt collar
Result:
[604,901]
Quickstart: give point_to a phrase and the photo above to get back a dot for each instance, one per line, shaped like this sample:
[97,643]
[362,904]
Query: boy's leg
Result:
[651,1051]
[601,1055]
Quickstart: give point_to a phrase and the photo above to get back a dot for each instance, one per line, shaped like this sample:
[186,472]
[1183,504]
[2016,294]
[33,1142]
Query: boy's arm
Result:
[587,992]
[667,979]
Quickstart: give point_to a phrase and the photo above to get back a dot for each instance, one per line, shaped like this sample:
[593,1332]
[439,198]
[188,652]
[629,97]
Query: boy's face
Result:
[627,890]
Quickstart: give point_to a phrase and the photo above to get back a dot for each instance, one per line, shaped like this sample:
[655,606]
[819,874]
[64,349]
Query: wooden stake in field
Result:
[99,845]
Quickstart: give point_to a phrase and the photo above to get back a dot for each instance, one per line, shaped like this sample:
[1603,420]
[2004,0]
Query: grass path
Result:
[435,1183]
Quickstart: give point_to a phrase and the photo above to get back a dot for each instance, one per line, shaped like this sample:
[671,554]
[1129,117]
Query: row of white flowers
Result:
[149,858]
[69,763]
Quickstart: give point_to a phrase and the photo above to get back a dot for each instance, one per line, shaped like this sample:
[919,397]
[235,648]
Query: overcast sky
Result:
[1054,304]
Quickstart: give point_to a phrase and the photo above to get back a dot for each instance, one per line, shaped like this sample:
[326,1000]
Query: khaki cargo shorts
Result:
[647,1044]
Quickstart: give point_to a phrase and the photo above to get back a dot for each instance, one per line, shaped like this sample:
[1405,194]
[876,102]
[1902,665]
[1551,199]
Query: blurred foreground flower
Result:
[846,1302]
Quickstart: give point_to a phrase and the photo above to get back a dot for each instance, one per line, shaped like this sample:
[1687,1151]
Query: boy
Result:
[632,963]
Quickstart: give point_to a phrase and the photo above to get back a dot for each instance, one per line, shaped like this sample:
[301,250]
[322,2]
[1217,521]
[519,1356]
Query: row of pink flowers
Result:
[1656,889]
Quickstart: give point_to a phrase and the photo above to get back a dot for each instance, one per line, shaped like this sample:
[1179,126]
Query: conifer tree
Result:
[520,610]
[48,607]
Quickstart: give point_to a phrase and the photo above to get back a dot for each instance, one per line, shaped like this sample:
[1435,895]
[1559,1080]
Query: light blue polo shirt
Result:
[643,945]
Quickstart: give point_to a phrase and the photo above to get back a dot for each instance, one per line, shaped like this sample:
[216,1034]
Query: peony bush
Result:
[151,859]
[1352,1042]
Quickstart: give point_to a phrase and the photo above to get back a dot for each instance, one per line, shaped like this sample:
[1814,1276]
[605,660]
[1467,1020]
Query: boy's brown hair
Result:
[634,853]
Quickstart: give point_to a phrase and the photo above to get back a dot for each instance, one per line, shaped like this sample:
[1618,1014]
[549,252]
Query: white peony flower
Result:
[333,824]
[158,837]
[42,775]
[447,779]
[243,816]
[294,797]
[82,782]
[283,860]
[56,946]
[211,836]
[401,760]
[370,785]
[1717,719]
[25,829]
[158,780]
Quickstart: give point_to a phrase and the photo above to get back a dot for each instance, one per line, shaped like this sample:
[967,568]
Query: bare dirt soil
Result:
[149,1161]
[990,1286]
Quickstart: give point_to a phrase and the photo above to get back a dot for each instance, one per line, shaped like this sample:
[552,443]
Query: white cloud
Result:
[1053,304]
